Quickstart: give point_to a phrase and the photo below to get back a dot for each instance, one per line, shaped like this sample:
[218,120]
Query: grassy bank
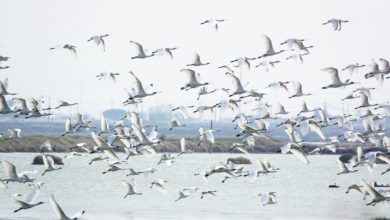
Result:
[62,144]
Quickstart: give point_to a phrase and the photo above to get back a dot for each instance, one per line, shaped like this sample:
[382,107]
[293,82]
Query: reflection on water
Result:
[302,191]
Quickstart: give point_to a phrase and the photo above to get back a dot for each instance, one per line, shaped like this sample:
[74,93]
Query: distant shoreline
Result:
[29,144]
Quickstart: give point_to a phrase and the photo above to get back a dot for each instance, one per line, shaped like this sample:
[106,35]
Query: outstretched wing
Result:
[57,209]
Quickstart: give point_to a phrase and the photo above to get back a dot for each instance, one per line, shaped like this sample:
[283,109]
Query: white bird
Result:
[144,140]
[365,102]
[353,68]
[278,85]
[141,53]
[3,88]
[163,51]
[182,195]
[197,61]
[139,89]
[267,64]
[4,108]
[208,192]
[81,123]
[268,48]
[373,156]
[104,126]
[14,133]
[377,197]
[345,168]
[267,198]
[82,146]
[60,213]
[29,201]
[167,159]
[99,40]
[73,154]
[336,82]
[204,91]
[49,164]
[298,90]
[336,23]
[242,62]
[108,75]
[237,86]
[98,158]
[296,150]
[280,110]
[65,104]
[106,147]
[20,106]
[68,47]
[314,126]
[12,176]
[159,184]
[206,135]
[192,80]
[183,148]
[68,127]
[130,188]
[213,22]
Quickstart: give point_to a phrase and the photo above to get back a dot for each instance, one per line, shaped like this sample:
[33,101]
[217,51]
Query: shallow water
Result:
[302,191]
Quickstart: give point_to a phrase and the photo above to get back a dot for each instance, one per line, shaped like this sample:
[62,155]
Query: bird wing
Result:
[3,103]
[57,209]
[50,161]
[335,24]
[98,140]
[2,87]
[373,192]
[112,155]
[141,135]
[138,85]
[9,169]
[127,185]
[297,151]
[191,76]
[196,58]
[267,43]
[210,136]
[359,152]
[334,74]
[20,103]
[236,82]
[68,125]
[138,47]
[263,198]
[384,158]
[153,133]
[317,129]
[3,185]
[342,166]
[298,87]
[160,186]
[33,195]
[305,128]
[103,124]
[183,144]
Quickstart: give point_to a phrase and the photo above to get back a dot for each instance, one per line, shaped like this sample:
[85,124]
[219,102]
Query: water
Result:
[302,191]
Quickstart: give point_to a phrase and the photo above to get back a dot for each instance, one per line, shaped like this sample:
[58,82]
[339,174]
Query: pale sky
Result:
[30,28]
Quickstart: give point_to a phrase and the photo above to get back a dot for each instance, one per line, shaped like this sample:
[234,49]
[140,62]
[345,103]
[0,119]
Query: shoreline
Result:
[30,144]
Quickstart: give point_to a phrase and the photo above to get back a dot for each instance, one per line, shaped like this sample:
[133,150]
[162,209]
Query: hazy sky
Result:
[30,28]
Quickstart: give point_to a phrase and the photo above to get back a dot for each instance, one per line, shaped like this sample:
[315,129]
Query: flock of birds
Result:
[134,139]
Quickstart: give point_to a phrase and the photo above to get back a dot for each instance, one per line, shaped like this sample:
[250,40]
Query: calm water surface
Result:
[302,191]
